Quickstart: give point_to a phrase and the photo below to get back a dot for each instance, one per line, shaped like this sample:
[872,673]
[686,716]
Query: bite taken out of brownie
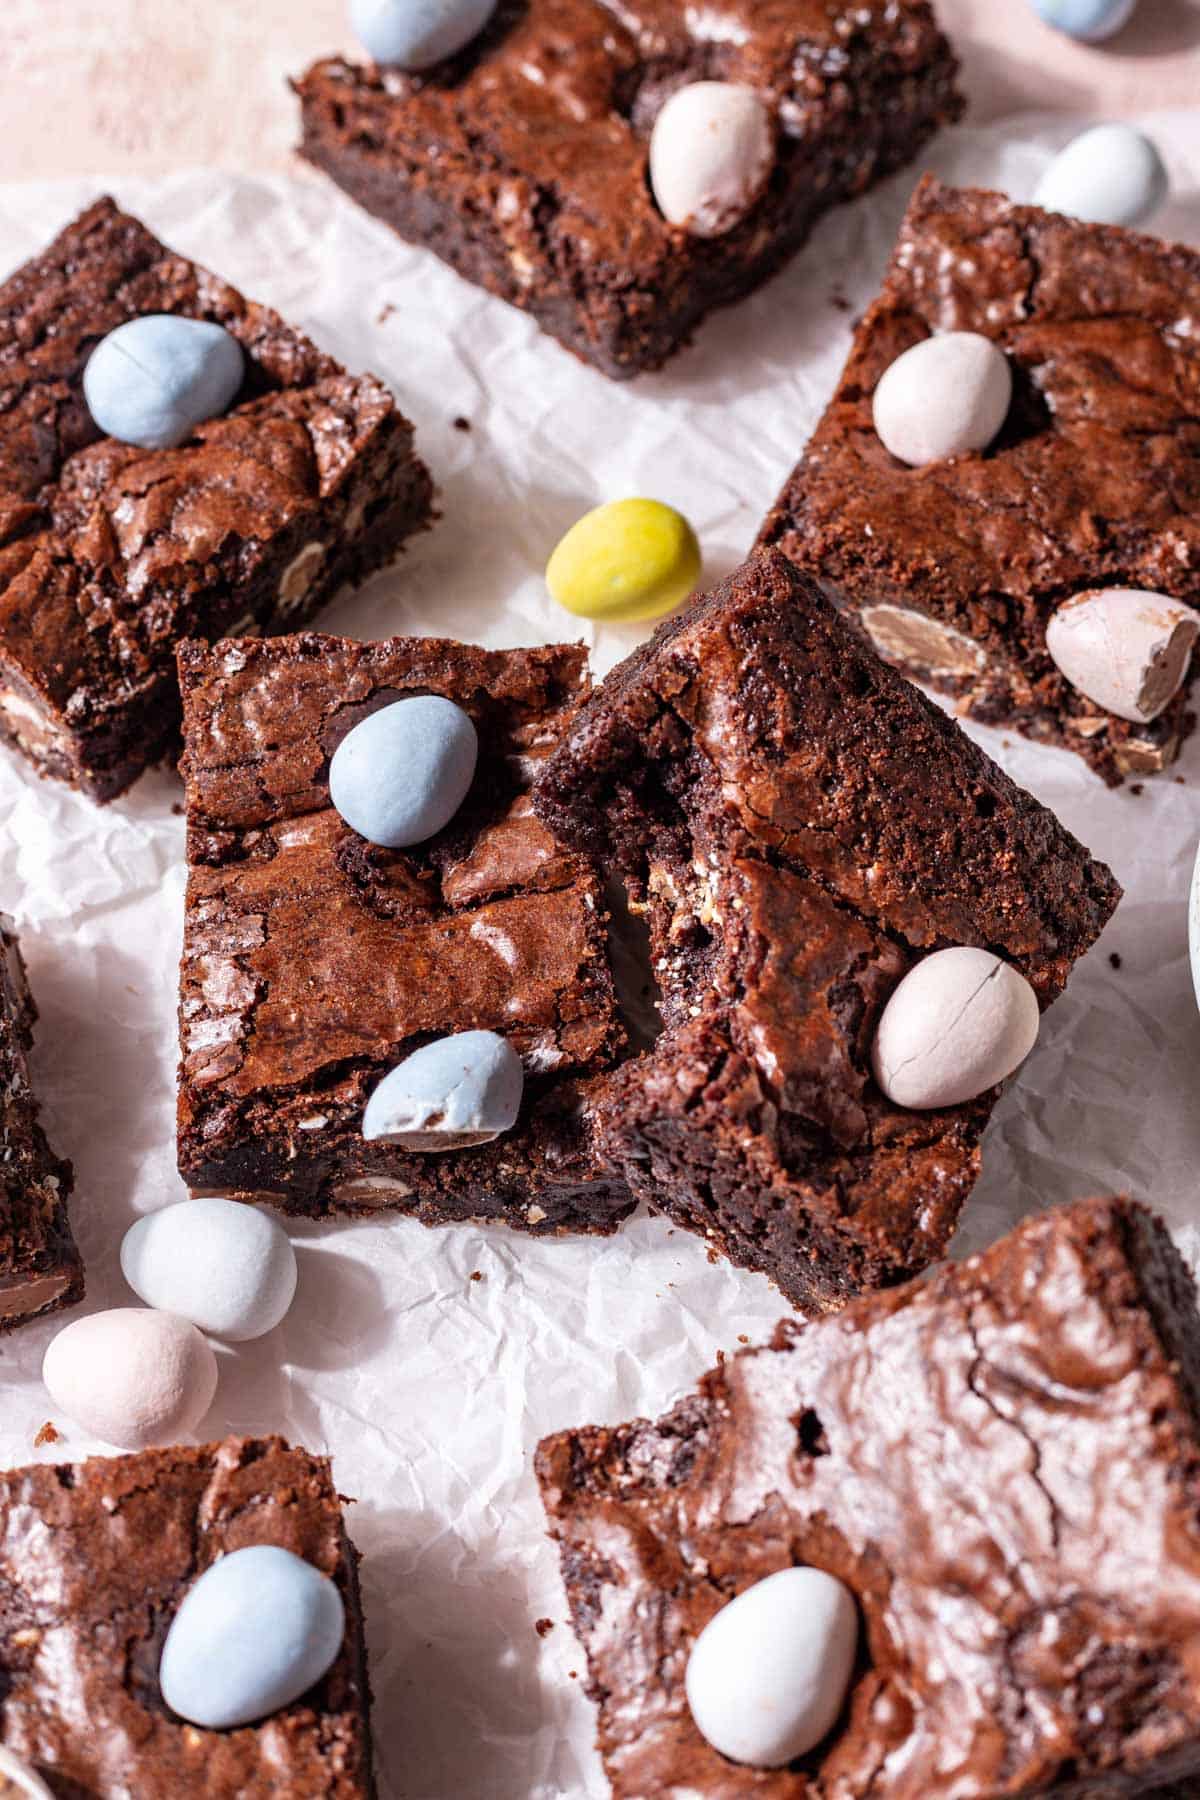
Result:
[523,161]
[801,826]
[954,570]
[110,555]
[1000,1463]
[314,962]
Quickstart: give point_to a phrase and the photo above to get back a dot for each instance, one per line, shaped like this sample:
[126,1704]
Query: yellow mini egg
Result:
[631,559]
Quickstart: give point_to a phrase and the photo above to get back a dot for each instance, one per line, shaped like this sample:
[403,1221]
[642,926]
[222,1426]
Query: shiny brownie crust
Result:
[800,825]
[109,555]
[314,962]
[94,1560]
[40,1269]
[954,570]
[1002,1463]
[523,162]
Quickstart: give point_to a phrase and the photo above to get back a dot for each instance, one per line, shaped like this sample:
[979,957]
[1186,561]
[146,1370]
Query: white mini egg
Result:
[711,154]
[1111,175]
[18,1781]
[131,1376]
[227,1267]
[1127,649]
[256,1631]
[768,1675]
[945,396]
[960,1022]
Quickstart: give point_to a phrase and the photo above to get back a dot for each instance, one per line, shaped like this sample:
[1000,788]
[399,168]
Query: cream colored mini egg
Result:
[711,154]
[1127,649]
[947,396]
[132,1376]
[960,1021]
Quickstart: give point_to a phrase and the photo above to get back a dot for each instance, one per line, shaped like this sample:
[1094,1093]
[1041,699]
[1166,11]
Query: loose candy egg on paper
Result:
[452,1094]
[946,396]
[1126,649]
[258,1629]
[132,1376]
[626,561]
[1111,175]
[960,1022]
[227,1267]
[401,774]
[711,155]
[416,34]
[153,380]
[1091,21]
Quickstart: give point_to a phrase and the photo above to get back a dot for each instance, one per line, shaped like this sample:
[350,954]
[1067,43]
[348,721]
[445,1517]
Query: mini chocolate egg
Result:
[946,396]
[416,34]
[401,774]
[711,155]
[131,1376]
[18,1781]
[768,1675]
[1111,175]
[626,561]
[1088,20]
[1126,649]
[154,379]
[450,1095]
[227,1267]
[254,1632]
[960,1022]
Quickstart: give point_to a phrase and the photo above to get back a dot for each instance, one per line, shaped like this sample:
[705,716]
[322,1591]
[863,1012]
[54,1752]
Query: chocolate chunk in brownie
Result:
[314,962]
[40,1270]
[1002,1465]
[110,555]
[523,161]
[801,825]
[954,570]
[94,1560]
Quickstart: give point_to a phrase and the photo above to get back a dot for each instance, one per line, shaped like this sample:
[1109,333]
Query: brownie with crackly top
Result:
[522,162]
[314,962]
[110,555]
[1001,1463]
[94,1560]
[40,1269]
[954,570]
[801,825]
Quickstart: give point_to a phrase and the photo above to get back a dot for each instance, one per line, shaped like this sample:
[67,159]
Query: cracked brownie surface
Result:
[523,161]
[314,962]
[109,555]
[800,825]
[954,570]
[94,1561]
[40,1270]
[1002,1463]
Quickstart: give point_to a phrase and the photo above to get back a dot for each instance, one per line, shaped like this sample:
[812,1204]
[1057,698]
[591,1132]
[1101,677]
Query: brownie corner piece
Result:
[523,162]
[109,554]
[955,570]
[800,825]
[94,1560]
[1001,1464]
[40,1267]
[315,962]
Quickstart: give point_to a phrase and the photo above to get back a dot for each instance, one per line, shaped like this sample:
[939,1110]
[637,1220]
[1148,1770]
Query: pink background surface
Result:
[104,86]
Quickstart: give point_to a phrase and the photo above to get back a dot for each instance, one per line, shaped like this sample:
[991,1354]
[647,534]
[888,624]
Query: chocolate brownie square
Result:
[522,162]
[1002,1465]
[94,1560]
[954,570]
[314,962]
[800,826]
[110,555]
[40,1270]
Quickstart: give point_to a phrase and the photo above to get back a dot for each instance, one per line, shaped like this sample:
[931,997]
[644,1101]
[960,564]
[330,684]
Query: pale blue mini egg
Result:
[153,380]
[256,1631]
[449,1095]
[415,34]
[402,773]
[1089,20]
[1110,175]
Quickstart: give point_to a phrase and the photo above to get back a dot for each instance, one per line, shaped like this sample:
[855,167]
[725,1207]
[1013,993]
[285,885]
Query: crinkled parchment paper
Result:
[430,1387]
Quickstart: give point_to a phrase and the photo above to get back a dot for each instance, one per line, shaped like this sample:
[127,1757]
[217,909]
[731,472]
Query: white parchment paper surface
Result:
[431,1388]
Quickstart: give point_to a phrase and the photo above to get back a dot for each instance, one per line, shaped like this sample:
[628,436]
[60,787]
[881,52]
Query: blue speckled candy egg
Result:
[153,380]
[256,1631]
[415,34]
[403,772]
[449,1095]
[1110,175]
[1088,20]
